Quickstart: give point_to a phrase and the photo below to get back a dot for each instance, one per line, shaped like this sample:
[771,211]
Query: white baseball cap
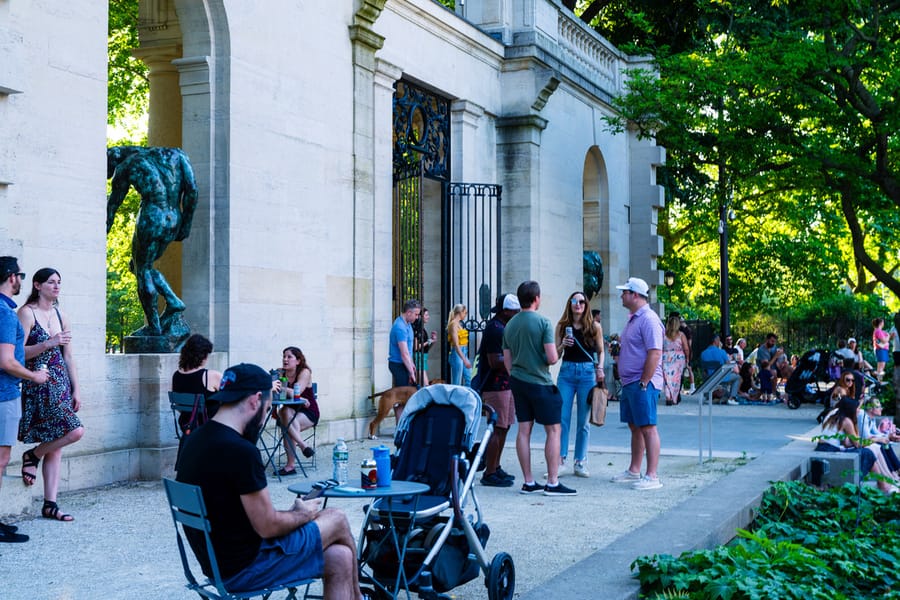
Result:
[511,302]
[636,285]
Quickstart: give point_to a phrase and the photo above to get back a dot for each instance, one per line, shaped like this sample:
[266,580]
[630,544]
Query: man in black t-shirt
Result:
[496,392]
[257,546]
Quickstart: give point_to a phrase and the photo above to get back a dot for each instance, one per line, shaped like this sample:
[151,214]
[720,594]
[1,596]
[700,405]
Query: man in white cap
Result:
[640,371]
[495,389]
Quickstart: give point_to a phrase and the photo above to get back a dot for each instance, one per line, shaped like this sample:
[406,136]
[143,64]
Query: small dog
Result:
[393,399]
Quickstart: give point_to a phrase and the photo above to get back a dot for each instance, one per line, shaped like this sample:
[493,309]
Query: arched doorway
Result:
[595,217]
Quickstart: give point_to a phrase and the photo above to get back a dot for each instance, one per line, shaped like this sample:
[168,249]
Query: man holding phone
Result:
[256,545]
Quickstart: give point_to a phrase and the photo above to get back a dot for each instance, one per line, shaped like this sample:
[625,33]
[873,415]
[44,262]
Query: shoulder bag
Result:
[597,400]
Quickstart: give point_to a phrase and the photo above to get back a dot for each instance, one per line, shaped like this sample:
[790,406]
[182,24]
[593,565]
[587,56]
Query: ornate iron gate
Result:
[470,217]
[471,251]
[407,232]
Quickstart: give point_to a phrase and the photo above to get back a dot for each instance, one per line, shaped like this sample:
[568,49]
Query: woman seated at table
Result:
[303,412]
[192,376]
[839,434]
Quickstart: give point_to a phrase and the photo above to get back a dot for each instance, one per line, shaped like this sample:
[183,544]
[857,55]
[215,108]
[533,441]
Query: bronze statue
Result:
[165,181]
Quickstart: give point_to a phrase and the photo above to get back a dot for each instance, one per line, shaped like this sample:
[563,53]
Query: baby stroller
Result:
[812,380]
[443,531]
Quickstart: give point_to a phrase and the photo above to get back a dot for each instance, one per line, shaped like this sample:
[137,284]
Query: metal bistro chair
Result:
[271,441]
[193,405]
[187,506]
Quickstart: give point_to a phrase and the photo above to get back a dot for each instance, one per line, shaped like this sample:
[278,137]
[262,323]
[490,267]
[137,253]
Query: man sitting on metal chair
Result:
[714,357]
[256,545]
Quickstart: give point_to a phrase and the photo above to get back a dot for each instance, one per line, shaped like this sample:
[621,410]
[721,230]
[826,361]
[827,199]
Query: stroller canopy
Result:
[464,398]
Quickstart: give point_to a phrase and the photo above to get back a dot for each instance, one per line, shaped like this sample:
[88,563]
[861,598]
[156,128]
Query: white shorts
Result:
[10,414]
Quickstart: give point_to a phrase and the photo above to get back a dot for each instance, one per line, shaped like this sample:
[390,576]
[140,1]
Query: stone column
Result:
[160,36]
[464,119]
[386,75]
[519,165]
[366,42]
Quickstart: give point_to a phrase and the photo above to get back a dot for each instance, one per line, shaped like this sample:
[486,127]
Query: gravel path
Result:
[122,543]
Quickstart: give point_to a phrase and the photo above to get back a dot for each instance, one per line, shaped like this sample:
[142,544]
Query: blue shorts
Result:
[882,355]
[10,414]
[535,402]
[290,558]
[638,407]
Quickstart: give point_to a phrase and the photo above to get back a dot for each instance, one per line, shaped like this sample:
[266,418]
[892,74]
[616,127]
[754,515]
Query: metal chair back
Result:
[187,507]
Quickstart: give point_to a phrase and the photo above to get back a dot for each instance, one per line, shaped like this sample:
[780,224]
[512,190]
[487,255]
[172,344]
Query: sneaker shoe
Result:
[495,480]
[8,528]
[647,483]
[531,488]
[581,469]
[501,473]
[626,476]
[559,490]
[732,402]
[12,537]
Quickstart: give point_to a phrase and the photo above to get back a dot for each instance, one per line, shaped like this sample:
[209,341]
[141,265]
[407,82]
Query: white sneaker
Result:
[626,476]
[647,483]
[581,469]
[732,402]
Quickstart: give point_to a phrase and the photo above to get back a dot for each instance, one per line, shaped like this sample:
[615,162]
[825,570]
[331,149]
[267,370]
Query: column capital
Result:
[387,74]
[521,129]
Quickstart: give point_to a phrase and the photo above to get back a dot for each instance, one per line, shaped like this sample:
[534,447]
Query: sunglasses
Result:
[576,301]
[20,275]
[848,380]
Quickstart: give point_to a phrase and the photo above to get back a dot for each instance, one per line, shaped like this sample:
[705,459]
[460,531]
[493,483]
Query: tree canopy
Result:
[786,113]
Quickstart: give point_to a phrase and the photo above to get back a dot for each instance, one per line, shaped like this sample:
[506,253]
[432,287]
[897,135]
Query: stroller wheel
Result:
[501,577]
[793,401]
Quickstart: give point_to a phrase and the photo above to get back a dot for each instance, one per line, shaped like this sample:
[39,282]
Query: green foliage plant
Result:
[803,544]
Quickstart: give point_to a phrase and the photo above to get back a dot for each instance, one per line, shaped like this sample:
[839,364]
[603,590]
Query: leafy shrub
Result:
[804,544]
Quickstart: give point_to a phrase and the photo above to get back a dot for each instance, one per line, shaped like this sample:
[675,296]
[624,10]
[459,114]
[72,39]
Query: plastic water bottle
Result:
[341,460]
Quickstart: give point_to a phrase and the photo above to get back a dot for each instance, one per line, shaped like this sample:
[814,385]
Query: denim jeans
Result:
[459,374]
[575,379]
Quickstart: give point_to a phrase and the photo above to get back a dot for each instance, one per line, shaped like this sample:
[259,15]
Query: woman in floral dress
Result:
[674,359]
[48,415]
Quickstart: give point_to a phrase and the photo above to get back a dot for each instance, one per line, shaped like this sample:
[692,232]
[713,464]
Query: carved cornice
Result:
[360,34]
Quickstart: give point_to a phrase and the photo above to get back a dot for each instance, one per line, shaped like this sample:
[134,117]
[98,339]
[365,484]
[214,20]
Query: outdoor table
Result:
[397,489]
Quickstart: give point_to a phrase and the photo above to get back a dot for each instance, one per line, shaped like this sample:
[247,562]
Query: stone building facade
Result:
[290,114]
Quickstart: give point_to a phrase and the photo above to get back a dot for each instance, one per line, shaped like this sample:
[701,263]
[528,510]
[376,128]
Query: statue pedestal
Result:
[175,332]
[147,344]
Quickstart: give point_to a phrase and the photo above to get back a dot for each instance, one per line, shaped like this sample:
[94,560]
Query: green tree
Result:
[787,112]
[128,83]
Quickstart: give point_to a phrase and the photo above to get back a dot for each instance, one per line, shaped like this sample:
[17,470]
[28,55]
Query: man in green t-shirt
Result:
[528,351]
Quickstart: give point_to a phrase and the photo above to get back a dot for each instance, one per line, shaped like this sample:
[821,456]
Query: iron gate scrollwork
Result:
[421,131]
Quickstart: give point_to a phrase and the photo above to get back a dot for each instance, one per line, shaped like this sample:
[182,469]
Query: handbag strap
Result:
[588,354]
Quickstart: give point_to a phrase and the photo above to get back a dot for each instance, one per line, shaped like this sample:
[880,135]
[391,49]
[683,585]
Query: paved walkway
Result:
[122,543]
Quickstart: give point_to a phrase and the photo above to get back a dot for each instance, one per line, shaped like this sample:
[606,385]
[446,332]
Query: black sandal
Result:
[29,460]
[51,511]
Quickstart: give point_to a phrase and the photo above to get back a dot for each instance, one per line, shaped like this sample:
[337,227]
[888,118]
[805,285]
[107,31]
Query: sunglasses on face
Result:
[576,301]
[848,380]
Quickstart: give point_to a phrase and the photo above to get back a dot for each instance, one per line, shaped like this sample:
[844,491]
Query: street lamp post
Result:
[725,215]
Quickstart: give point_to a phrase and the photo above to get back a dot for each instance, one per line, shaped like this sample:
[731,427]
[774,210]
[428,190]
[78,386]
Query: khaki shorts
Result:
[503,403]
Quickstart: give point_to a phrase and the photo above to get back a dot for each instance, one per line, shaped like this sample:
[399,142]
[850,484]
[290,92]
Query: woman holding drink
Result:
[301,410]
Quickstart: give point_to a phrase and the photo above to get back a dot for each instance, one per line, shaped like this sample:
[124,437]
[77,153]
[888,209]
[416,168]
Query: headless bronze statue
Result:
[165,181]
